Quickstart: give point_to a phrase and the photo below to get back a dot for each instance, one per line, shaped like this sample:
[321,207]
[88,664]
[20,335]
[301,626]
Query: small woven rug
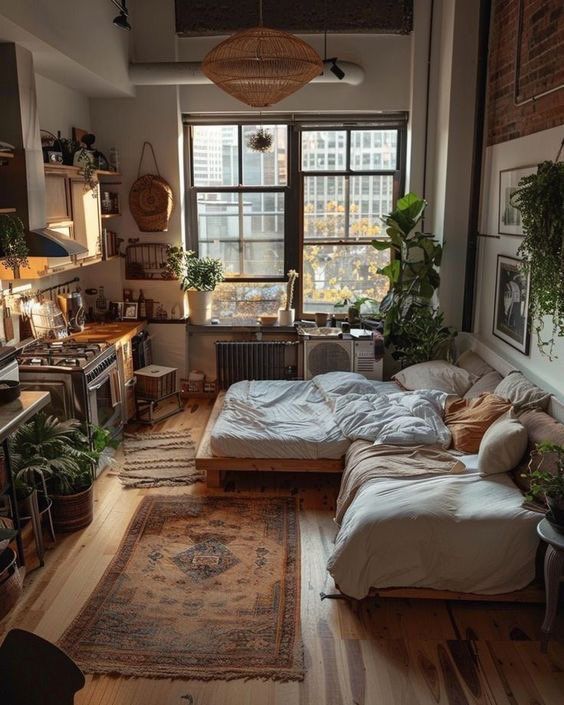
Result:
[201,588]
[158,460]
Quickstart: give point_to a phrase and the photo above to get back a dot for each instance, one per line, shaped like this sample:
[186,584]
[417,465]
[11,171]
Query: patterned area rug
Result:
[158,460]
[201,587]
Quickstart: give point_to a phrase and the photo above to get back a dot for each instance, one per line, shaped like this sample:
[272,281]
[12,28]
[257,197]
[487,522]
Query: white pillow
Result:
[437,374]
[503,445]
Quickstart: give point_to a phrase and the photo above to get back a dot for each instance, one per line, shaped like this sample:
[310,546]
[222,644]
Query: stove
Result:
[82,378]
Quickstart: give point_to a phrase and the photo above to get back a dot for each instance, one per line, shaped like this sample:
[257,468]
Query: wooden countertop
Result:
[110,332]
[16,413]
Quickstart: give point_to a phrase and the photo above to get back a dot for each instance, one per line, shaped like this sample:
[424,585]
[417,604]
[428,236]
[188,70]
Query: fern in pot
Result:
[546,480]
[198,277]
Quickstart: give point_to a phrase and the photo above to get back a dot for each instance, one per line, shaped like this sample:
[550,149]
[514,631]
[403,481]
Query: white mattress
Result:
[459,532]
[279,419]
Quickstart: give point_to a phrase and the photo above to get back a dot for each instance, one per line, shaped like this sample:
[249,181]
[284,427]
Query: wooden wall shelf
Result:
[77,170]
[6,155]
[7,210]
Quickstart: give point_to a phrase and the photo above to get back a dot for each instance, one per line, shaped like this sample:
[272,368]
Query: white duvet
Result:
[458,532]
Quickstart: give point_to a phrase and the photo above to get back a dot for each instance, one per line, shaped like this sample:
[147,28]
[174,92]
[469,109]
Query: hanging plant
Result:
[540,199]
[13,247]
[260,141]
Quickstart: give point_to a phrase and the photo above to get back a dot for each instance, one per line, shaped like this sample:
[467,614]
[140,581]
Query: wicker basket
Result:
[155,382]
[150,199]
[73,511]
[11,581]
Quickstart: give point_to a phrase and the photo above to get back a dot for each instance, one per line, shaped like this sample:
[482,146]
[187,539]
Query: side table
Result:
[553,572]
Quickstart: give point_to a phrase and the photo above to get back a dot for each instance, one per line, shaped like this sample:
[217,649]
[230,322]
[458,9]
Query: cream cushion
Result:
[523,394]
[473,363]
[485,385]
[502,446]
[437,374]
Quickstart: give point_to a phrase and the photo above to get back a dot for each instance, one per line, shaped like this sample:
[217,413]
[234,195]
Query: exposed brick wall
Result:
[541,53]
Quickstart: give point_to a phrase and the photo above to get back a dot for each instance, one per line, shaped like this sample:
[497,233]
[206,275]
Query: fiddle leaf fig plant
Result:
[409,317]
[540,199]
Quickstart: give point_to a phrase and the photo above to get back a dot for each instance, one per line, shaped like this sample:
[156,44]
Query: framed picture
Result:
[509,217]
[511,309]
[129,311]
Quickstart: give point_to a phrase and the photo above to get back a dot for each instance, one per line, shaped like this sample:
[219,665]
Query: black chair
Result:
[35,672]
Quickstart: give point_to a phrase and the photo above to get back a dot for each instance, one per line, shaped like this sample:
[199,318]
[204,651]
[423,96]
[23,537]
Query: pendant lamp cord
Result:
[260,13]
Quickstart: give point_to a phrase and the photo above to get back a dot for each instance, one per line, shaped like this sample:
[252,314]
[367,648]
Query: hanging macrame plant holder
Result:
[150,199]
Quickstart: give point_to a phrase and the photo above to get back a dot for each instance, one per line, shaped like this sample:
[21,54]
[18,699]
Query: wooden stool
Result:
[155,384]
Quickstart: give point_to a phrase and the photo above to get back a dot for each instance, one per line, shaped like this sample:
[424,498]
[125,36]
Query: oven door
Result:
[105,402]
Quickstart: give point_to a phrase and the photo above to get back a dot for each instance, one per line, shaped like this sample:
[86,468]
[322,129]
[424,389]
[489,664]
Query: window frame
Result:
[294,232]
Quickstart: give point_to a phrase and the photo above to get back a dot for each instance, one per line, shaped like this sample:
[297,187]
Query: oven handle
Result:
[95,387]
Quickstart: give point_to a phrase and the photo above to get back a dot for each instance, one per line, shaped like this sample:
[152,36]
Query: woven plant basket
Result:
[11,581]
[151,199]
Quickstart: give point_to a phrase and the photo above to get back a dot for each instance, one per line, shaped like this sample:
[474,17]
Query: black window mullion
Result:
[240,153]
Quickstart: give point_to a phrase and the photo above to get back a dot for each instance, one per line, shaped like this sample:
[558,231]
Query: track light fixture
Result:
[122,20]
[335,69]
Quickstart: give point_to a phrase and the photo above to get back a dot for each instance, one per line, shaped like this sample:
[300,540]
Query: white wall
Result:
[61,108]
[515,153]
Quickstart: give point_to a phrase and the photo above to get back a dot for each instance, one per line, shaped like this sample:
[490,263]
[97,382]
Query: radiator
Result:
[239,360]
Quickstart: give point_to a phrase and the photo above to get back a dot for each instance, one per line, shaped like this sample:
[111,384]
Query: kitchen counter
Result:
[109,332]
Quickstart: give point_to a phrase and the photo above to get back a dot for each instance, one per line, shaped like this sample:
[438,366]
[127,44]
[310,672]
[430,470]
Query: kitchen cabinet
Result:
[57,198]
[86,218]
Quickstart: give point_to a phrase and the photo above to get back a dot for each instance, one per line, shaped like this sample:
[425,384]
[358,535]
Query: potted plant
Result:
[540,200]
[355,306]
[414,280]
[60,452]
[13,247]
[287,315]
[423,336]
[548,482]
[198,277]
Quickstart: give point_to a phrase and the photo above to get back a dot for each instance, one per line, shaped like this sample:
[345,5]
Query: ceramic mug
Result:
[321,319]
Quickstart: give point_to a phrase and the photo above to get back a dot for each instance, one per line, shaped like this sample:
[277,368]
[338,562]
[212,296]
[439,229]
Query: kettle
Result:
[72,308]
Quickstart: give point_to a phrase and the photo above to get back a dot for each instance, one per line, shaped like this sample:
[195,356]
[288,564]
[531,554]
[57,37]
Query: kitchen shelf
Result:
[7,210]
[6,155]
[110,215]
[77,169]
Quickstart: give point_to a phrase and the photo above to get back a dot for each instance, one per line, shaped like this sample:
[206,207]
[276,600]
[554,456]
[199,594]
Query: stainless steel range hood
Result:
[22,184]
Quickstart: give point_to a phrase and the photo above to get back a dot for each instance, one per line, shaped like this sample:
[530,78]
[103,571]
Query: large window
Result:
[312,202]
[240,198]
[350,180]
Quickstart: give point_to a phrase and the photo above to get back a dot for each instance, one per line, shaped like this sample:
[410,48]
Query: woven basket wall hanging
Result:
[150,199]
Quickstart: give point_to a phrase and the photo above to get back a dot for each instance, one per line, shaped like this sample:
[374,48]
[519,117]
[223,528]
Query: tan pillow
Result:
[437,374]
[540,427]
[473,363]
[502,446]
[523,394]
[469,419]
[485,385]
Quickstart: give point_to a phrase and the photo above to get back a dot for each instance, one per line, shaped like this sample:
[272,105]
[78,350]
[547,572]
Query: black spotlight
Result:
[335,69]
[122,20]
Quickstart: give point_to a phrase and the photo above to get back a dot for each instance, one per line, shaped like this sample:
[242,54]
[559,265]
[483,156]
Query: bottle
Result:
[142,309]
[101,305]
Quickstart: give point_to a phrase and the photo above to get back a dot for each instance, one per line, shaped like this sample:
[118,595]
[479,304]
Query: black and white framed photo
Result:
[511,309]
[509,217]
[129,312]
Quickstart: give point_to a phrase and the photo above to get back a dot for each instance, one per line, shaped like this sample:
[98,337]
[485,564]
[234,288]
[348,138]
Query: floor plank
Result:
[374,652]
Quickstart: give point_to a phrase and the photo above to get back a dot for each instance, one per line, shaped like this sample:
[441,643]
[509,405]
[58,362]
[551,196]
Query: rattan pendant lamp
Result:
[261,66]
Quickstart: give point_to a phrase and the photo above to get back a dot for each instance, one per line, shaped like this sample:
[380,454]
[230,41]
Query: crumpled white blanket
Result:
[398,418]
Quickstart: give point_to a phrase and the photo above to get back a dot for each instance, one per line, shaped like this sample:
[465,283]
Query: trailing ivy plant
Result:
[413,328]
[13,247]
[540,200]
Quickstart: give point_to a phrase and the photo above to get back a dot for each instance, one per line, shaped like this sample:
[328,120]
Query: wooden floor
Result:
[377,652]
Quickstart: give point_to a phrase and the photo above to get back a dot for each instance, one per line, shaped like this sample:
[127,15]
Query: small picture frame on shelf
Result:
[130,311]
[511,310]
[509,218]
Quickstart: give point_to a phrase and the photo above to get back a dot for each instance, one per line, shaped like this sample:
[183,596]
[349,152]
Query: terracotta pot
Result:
[200,303]
[72,512]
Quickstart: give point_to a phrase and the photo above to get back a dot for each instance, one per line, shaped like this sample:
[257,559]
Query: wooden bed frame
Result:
[214,465]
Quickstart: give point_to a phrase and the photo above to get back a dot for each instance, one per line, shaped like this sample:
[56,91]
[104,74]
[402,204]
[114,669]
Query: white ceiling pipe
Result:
[189,73]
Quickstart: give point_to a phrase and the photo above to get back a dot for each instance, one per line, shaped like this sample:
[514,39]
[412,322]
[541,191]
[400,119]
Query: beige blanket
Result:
[365,461]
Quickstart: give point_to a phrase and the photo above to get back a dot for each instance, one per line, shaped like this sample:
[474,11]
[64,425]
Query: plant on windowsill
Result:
[198,277]
[13,247]
[540,199]
[355,306]
[287,315]
[413,327]
[548,482]
[59,452]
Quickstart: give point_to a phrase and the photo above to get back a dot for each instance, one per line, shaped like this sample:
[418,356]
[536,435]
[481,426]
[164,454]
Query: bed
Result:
[460,533]
[278,425]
